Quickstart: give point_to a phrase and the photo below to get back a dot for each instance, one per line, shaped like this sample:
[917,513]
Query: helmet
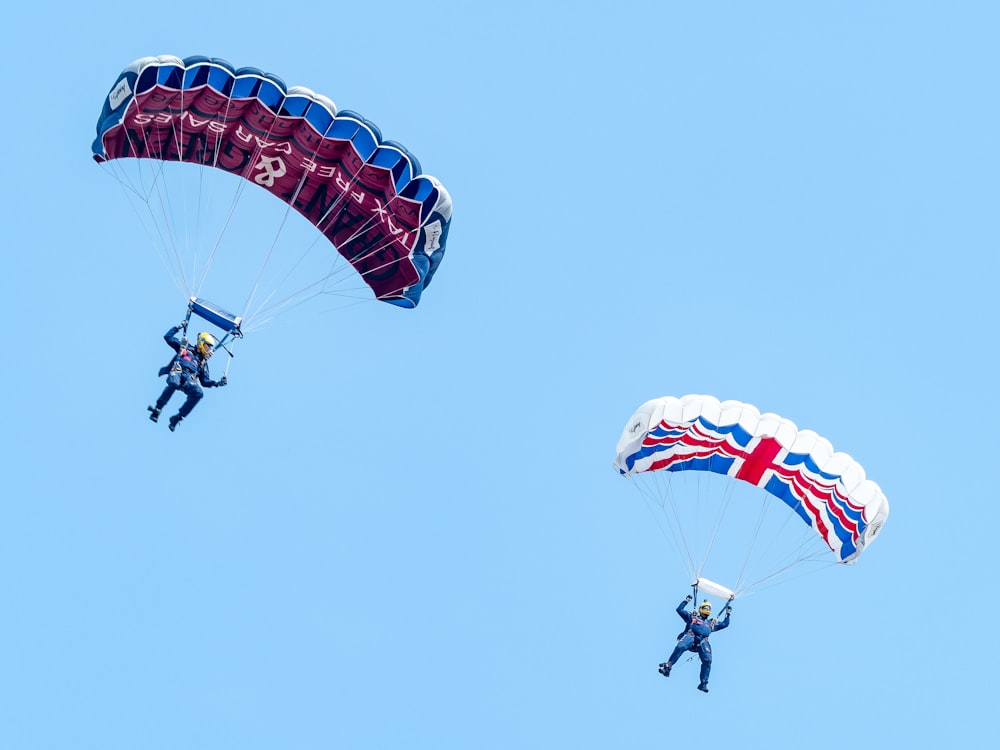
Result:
[206,342]
[705,609]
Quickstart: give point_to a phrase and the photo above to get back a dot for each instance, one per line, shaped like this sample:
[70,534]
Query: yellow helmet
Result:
[705,609]
[206,343]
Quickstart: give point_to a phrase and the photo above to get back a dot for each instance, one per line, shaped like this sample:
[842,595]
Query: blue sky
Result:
[401,528]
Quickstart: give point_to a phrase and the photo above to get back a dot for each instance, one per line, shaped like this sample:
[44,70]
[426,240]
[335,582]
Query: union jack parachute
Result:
[801,480]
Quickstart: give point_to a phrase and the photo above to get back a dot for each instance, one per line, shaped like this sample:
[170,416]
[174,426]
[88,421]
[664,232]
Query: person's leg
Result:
[194,394]
[683,644]
[168,391]
[705,652]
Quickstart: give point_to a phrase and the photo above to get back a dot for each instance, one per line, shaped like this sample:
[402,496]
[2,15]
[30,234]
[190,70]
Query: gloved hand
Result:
[688,598]
[183,325]
[223,381]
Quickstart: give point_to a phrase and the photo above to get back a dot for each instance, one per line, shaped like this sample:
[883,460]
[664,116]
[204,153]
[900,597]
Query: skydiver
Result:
[694,638]
[186,370]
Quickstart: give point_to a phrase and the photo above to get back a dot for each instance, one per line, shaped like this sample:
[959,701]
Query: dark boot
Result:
[154,413]
[703,687]
[172,423]
[665,668]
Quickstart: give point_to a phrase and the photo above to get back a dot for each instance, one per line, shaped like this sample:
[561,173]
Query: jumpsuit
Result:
[695,638]
[186,370]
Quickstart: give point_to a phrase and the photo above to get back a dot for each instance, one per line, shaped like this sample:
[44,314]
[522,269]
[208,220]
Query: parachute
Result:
[366,197]
[801,478]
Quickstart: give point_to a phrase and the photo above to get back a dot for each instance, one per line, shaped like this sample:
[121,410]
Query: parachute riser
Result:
[185,344]
[228,351]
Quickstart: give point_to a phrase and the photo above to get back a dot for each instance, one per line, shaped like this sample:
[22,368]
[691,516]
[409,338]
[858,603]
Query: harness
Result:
[182,356]
[697,638]
[185,362]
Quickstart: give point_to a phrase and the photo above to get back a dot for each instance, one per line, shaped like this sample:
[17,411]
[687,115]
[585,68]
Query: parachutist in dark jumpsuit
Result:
[186,370]
[695,638]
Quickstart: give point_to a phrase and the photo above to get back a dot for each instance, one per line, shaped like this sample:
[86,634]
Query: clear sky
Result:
[402,529]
